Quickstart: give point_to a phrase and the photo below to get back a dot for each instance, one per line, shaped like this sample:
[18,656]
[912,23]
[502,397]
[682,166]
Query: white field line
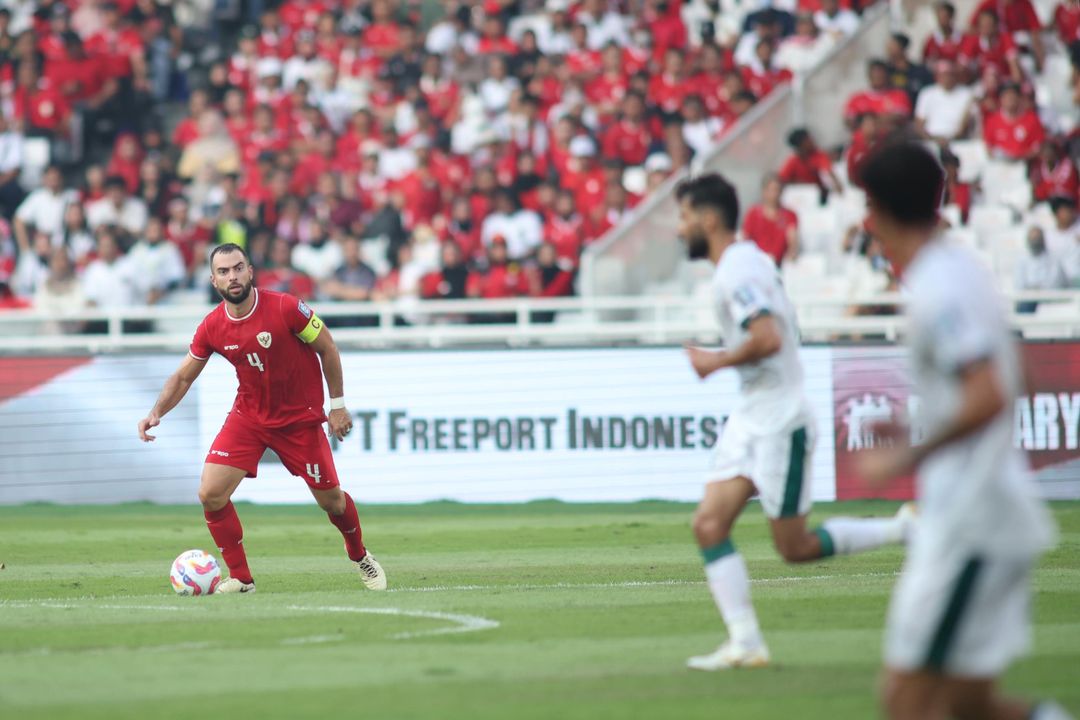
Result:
[463,623]
[69,602]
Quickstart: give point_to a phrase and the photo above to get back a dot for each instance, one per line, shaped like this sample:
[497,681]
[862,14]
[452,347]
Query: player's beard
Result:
[236,296]
[697,246]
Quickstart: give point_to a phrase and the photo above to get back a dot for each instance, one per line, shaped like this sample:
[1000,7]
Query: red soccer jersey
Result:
[1015,16]
[1013,138]
[1060,180]
[628,142]
[942,47]
[770,234]
[878,102]
[982,53]
[1067,21]
[797,171]
[280,376]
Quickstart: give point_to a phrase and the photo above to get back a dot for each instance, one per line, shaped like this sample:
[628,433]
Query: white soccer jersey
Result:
[976,494]
[747,284]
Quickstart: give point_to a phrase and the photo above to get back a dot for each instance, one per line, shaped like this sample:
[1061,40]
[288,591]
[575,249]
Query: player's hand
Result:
[704,362]
[145,424]
[882,465]
[340,423]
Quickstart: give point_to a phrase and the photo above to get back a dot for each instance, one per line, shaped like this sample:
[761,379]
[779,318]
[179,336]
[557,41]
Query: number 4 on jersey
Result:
[253,358]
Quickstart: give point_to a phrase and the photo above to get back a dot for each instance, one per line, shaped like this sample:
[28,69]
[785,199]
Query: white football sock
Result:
[729,583]
[856,535]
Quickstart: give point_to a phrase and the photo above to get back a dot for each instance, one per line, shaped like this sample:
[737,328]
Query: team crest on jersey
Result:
[264,339]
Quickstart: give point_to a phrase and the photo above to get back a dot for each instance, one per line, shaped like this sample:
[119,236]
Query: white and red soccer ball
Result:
[195,572]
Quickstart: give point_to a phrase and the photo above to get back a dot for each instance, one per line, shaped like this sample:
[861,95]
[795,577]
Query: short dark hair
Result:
[906,181]
[902,40]
[797,137]
[948,7]
[115,181]
[712,191]
[225,248]
[877,64]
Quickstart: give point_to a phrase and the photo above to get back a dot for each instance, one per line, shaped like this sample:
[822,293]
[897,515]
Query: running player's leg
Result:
[305,452]
[782,472]
[914,695]
[233,456]
[725,569]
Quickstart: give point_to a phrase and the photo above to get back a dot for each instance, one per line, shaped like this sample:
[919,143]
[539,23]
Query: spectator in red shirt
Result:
[463,230]
[808,165]
[1067,21]
[714,65]
[381,36]
[629,139]
[606,91]
[668,87]
[1014,132]
[583,176]
[762,75]
[44,109]
[499,277]
[51,44]
[564,230]
[956,192]
[551,277]
[1018,19]
[866,135]
[944,42]
[989,47]
[880,99]
[772,227]
[121,46]
[1053,174]
[451,281]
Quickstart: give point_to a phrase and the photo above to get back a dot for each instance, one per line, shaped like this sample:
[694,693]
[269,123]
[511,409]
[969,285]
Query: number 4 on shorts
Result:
[313,471]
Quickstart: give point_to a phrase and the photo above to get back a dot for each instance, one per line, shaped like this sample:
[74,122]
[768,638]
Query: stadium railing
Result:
[577,321]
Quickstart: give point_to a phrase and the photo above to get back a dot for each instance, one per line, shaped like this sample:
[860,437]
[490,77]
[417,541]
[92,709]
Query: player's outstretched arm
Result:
[764,341]
[981,400]
[339,419]
[175,389]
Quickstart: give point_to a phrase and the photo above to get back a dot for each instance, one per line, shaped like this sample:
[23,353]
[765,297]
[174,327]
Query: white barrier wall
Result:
[481,426]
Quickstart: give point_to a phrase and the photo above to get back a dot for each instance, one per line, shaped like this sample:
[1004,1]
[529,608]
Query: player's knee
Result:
[709,528]
[212,500]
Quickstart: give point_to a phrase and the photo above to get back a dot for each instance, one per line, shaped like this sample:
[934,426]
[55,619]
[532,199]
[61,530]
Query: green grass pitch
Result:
[597,607]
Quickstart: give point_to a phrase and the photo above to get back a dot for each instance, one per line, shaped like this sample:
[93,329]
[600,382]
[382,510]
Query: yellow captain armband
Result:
[311,330]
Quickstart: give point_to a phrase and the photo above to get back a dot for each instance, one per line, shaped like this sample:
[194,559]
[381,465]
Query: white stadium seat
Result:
[800,197]
[973,158]
[986,219]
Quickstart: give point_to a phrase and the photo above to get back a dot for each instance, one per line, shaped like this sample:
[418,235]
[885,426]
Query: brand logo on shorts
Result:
[264,339]
[222,453]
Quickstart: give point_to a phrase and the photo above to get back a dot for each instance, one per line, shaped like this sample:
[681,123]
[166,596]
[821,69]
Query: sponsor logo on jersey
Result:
[264,339]
[304,309]
[222,453]
[232,347]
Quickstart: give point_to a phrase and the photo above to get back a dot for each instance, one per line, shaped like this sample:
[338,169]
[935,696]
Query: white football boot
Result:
[371,573]
[232,585]
[731,655]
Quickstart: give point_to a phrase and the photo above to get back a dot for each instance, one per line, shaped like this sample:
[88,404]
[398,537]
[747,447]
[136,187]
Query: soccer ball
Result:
[195,573]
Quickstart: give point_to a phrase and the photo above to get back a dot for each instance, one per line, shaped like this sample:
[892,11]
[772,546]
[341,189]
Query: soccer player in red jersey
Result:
[275,342]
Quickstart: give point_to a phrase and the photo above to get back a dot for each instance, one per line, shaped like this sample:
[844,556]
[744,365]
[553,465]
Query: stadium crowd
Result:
[358,148]
[980,82]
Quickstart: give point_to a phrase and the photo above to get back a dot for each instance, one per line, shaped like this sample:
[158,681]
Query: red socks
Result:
[227,532]
[348,523]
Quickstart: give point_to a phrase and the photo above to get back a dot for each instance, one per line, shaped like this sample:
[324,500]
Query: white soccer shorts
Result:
[778,464]
[959,613]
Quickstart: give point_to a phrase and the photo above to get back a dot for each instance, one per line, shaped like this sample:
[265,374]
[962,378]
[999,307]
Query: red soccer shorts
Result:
[303,449]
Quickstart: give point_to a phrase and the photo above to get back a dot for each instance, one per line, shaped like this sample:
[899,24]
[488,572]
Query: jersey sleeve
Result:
[300,319]
[200,348]
[745,295]
[956,332]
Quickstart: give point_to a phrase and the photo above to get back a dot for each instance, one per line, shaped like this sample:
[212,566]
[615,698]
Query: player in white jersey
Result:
[959,613]
[768,441]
